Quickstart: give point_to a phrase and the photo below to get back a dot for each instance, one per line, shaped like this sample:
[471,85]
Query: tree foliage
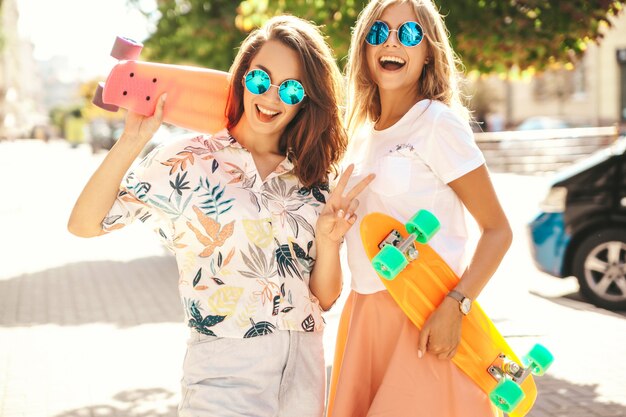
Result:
[194,32]
[495,35]
[489,35]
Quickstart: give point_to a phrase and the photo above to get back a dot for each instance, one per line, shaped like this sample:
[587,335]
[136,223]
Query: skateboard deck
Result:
[196,97]
[421,286]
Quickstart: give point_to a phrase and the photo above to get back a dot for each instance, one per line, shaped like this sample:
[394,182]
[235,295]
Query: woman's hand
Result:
[141,128]
[441,333]
[338,214]
[99,194]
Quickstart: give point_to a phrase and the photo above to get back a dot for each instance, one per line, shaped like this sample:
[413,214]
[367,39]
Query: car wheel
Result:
[600,266]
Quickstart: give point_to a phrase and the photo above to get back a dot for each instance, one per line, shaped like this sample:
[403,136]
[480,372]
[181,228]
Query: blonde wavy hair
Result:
[440,79]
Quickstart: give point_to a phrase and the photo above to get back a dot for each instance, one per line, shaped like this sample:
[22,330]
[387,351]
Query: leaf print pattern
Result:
[286,263]
[247,311]
[111,219]
[213,144]
[259,329]
[140,190]
[259,231]
[176,241]
[268,291]
[179,161]
[279,200]
[276,305]
[175,208]
[200,323]
[303,257]
[258,266]
[244,246]
[221,263]
[179,184]
[308,325]
[316,191]
[216,235]
[196,281]
[212,204]
[224,300]
[238,174]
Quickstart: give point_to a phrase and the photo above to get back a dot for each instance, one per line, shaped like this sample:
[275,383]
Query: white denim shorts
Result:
[276,375]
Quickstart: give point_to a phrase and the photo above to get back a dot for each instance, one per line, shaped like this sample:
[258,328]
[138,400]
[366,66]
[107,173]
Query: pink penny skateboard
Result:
[196,97]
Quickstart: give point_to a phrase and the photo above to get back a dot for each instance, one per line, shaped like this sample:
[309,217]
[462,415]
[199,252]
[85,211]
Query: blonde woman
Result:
[407,124]
[248,215]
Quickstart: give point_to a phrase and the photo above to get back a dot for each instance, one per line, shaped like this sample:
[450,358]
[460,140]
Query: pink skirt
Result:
[377,373]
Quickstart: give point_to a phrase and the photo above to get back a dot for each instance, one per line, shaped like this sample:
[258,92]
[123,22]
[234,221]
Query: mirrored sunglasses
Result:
[291,92]
[409,33]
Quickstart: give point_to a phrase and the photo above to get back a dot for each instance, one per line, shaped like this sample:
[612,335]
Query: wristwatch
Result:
[465,304]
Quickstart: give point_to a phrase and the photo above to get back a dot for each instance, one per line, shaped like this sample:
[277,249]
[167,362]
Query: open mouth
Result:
[391,63]
[264,114]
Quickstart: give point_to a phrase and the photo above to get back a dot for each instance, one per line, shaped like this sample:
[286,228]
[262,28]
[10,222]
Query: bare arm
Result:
[98,196]
[478,195]
[326,278]
[441,333]
[334,221]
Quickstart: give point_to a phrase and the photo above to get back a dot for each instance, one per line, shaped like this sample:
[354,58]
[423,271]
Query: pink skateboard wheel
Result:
[126,49]
[97,99]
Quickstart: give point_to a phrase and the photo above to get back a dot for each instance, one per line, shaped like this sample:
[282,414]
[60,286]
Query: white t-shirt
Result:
[414,160]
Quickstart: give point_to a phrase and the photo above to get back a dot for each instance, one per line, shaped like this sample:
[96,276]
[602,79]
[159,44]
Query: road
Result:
[94,327]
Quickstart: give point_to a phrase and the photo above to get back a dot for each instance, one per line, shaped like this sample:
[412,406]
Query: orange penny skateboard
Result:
[196,97]
[418,279]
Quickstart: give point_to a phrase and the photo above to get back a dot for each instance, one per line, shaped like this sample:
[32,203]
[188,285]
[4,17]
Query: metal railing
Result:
[540,151]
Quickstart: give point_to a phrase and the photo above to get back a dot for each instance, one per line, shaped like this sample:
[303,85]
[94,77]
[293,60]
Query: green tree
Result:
[489,35]
[336,17]
[194,32]
[494,35]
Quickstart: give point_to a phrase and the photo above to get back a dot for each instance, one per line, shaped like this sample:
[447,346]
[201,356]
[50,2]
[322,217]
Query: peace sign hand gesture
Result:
[338,215]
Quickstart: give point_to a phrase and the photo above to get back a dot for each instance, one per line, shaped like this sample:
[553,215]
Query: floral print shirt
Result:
[244,246]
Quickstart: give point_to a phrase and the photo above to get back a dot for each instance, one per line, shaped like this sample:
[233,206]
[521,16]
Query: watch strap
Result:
[465,304]
[456,295]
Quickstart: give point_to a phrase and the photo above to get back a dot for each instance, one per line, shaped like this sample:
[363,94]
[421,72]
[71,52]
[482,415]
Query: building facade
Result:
[21,91]
[592,93]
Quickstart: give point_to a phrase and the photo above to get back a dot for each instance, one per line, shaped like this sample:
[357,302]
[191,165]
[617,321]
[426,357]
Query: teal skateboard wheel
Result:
[389,262]
[506,395]
[538,359]
[424,225]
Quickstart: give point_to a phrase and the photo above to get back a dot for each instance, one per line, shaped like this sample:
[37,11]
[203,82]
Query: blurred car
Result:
[101,135]
[581,227]
[543,122]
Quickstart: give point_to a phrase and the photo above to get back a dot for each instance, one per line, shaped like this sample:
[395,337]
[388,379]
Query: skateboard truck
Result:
[396,252]
[504,366]
[403,245]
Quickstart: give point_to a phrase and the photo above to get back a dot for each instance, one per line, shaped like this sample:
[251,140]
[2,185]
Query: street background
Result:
[94,327]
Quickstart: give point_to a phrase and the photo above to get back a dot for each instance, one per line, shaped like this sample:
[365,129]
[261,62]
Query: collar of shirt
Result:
[228,140]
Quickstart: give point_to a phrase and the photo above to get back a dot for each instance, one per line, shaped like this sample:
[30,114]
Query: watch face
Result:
[466,305]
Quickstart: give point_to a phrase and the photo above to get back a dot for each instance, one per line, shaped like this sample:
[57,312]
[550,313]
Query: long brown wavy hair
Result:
[315,138]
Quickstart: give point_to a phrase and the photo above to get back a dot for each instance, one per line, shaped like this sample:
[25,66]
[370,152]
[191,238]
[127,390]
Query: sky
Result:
[83,31]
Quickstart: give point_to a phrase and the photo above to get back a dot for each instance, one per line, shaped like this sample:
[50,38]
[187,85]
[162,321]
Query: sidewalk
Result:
[95,327]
